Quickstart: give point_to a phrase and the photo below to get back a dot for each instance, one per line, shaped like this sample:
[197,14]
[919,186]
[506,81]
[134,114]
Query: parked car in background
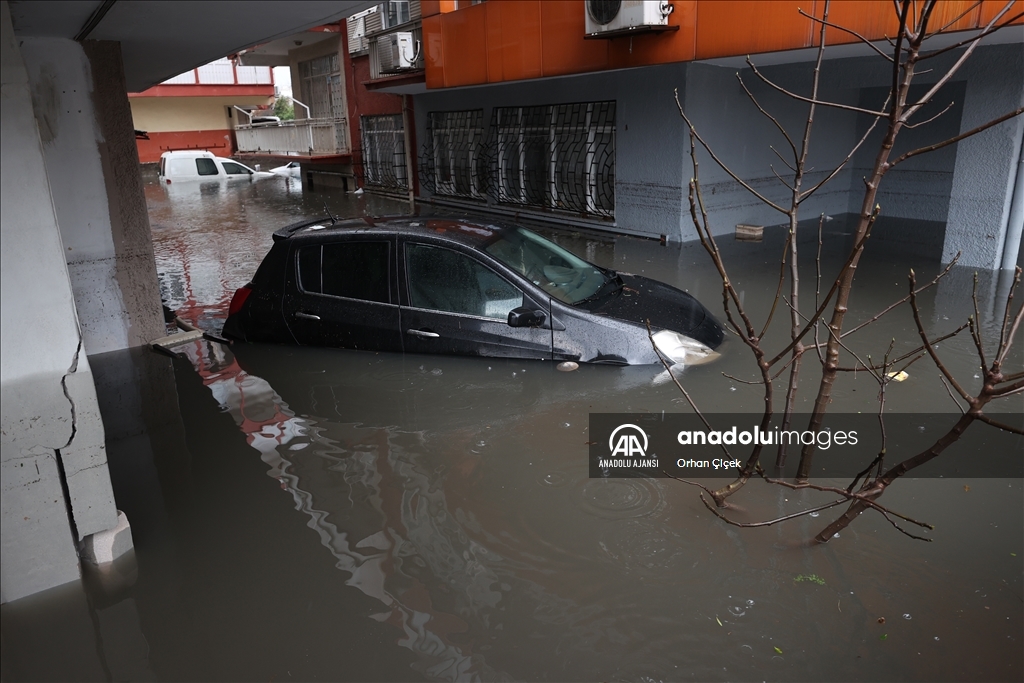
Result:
[290,170]
[188,165]
[466,287]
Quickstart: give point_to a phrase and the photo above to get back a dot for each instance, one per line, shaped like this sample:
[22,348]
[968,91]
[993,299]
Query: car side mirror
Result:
[525,317]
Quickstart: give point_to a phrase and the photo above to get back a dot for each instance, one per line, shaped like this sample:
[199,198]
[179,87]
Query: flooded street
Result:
[320,514]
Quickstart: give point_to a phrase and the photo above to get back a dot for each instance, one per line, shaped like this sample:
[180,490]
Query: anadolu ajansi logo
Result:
[628,443]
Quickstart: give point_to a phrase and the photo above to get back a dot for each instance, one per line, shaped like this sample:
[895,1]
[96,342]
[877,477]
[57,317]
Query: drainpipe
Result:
[1015,222]
[407,124]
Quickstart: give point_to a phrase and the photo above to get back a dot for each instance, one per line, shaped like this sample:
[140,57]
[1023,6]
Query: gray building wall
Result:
[971,188]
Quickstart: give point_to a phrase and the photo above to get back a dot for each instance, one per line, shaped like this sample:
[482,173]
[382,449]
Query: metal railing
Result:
[302,137]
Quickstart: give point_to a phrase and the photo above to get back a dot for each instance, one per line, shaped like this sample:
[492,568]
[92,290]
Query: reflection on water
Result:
[321,514]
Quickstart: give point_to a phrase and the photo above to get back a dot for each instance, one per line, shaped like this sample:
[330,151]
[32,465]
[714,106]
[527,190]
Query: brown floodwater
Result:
[322,514]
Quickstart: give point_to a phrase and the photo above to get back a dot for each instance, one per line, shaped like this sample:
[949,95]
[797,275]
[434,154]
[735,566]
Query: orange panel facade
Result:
[742,27]
[509,40]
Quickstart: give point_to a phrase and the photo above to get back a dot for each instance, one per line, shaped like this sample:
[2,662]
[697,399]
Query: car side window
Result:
[206,166]
[445,280]
[354,270]
[234,169]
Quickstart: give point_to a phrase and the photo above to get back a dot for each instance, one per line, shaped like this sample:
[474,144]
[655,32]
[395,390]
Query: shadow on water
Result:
[324,514]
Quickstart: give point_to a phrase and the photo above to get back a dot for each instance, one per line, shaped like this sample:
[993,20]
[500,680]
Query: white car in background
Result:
[289,170]
[202,165]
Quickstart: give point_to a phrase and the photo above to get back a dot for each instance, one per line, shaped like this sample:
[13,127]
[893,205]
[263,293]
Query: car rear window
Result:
[354,270]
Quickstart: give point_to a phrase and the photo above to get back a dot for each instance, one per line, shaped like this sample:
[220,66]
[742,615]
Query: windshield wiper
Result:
[612,284]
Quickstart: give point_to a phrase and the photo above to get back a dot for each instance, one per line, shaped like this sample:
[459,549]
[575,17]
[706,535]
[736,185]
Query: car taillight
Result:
[238,300]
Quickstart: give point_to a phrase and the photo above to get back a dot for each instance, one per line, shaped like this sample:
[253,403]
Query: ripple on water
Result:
[646,545]
[617,498]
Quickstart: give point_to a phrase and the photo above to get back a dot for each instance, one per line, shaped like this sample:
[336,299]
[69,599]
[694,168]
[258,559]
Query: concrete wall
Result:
[986,165]
[92,164]
[56,489]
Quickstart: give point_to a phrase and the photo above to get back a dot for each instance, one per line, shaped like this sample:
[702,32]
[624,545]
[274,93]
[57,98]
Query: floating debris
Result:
[567,366]
[897,376]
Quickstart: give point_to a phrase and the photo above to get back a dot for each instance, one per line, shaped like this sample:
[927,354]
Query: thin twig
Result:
[921,123]
[771,118]
[950,392]
[907,297]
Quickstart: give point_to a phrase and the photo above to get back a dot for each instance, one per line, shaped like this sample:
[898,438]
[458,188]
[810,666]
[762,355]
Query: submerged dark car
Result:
[458,286]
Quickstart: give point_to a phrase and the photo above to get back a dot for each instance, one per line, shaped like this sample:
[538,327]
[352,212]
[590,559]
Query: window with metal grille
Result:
[384,151]
[322,88]
[454,159]
[557,156]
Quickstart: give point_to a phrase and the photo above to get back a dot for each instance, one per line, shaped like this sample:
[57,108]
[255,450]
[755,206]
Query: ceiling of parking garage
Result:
[163,38]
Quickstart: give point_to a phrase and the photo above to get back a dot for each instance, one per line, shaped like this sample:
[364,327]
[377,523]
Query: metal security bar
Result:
[455,161]
[383,158]
[559,157]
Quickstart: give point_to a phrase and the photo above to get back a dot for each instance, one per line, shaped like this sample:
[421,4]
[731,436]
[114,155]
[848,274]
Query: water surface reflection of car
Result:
[464,287]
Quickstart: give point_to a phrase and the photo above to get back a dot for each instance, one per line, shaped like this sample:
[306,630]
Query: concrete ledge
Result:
[107,546]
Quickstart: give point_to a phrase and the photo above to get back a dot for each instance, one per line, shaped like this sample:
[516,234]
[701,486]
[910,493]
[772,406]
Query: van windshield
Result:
[557,271]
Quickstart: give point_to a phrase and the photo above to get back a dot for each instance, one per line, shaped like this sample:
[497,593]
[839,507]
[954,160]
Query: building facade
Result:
[531,108]
[200,108]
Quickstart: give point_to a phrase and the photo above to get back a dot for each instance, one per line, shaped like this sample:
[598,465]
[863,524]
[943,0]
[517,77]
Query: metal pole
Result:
[407,124]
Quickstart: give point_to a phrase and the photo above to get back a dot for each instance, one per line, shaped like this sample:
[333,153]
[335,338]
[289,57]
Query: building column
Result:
[56,490]
[986,164]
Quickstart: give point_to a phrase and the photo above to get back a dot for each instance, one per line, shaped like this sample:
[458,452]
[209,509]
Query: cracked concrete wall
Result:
[53,474]
[85,125]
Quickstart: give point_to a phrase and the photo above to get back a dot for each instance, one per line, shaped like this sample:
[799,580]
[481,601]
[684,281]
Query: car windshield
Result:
[560,273]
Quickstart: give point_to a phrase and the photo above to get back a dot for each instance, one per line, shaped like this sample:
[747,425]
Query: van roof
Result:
[188,153]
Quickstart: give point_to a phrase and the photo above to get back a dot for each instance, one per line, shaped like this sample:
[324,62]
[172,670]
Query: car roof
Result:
[471,232]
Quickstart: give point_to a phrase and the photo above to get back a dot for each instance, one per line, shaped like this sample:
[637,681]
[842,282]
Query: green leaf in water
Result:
[884,636]
[719,621]
[779,650]
[813,578]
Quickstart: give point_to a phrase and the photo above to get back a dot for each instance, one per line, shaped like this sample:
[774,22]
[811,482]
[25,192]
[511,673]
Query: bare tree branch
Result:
[906,298]
[928,344]
[771,118]
[945,143]
[845,161]
[721,164]
[999,425]
[823,103]
[846,30]
[958,18]
[985,32]
[921,123]
[973,44]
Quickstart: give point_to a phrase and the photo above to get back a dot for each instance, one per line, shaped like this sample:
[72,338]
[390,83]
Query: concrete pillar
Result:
[53,470]
[85,125]
[986,164]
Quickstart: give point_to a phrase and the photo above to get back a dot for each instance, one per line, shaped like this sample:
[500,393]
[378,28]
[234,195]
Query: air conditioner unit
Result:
[404,51]
[604,17]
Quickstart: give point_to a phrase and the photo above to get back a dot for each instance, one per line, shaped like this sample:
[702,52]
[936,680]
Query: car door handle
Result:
[307,316]
[423,333]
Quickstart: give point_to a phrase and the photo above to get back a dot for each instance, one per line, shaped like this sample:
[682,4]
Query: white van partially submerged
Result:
[202,165]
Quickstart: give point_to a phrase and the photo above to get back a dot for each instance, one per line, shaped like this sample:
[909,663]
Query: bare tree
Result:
[822,331]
